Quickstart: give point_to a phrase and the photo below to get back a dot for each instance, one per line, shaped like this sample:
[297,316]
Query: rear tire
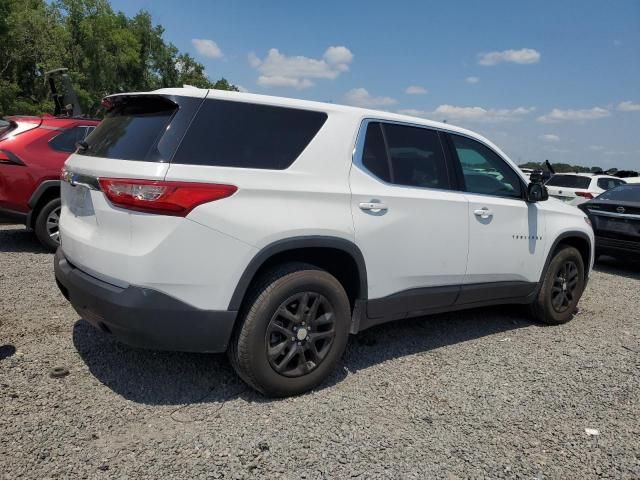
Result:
[46,225]
[561,288]
[294,329]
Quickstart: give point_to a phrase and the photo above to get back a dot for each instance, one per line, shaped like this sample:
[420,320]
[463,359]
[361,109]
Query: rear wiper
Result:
[82,146]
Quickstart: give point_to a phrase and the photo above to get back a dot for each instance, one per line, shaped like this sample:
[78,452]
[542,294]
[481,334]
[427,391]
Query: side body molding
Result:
[296,243]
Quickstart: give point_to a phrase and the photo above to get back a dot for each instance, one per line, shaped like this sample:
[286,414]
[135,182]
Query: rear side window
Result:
[132,128]
[569,181]
[608,183]
[374,155]
[6,127]
[66,141]
[246,135]
[405,155]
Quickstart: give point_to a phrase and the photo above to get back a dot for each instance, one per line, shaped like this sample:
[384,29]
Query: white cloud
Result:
[629,106]
[472,80]
[360,97]
[559,115]
[415,90]
[338,56]
[596,148]
[412,112]
[242,89]
[280,81]
[207,48]
[522,56]
[479,114]
[612,153]
[279,70]
[549,137]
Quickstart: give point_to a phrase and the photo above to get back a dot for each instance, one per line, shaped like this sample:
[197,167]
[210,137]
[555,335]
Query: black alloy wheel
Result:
[300,334]
[564,287]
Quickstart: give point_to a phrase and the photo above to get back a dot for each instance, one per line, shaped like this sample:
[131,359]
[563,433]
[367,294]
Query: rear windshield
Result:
[131,129]
[246,135]
[569,181]
[623,193]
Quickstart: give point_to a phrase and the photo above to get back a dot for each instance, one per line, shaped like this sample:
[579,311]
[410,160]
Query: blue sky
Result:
[544,79]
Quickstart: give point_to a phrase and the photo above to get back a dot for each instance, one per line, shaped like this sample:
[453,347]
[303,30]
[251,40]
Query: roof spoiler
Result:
[66,101]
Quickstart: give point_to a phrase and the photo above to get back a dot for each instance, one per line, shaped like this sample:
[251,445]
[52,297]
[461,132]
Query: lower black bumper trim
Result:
[143,317]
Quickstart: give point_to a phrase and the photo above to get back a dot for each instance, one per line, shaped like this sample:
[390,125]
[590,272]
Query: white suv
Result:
[271,228]
[577,188]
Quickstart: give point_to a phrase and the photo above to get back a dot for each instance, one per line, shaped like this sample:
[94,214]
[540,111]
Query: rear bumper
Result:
[142,317]
[614,245]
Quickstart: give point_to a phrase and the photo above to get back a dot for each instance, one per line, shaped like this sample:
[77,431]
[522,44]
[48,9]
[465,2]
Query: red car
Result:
[32,152]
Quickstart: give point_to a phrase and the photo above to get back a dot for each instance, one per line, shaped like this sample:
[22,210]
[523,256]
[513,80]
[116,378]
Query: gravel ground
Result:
[482,393]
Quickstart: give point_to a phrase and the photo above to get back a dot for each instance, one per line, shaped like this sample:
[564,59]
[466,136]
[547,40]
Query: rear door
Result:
[410,224]
[506,234]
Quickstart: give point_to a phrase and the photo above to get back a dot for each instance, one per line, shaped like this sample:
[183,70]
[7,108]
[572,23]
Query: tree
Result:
[106,52]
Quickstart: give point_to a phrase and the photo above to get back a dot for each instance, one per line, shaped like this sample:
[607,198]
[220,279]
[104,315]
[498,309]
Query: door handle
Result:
[373,206]
[483,212]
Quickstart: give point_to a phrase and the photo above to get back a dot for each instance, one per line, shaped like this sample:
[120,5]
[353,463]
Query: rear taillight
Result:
[164,198]
[584,194]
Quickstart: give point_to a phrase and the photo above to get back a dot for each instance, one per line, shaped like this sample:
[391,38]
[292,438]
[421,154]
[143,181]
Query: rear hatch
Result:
[569,187]
[136,140]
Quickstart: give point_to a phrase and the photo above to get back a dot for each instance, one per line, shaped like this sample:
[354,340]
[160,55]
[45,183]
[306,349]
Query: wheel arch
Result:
[339,256]
[46,191]
[577,239]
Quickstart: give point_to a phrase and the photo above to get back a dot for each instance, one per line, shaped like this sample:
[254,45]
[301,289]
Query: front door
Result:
[506,234]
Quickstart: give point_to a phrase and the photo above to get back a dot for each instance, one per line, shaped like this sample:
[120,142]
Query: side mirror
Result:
[536,192]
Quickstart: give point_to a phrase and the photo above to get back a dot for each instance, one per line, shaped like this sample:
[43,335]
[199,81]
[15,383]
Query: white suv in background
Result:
[577,188]
[271,228]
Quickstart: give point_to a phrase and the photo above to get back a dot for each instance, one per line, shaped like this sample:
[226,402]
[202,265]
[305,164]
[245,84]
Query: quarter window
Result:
[405,155]
[484,171]
[247,135]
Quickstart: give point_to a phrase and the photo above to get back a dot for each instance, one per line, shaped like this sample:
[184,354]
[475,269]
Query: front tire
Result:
[294,330]
[46,225]
[561,288]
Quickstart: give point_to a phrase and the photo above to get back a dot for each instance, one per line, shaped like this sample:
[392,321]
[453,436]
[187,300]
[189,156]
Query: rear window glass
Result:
[569,181]
[374,156]
[246,135]
[66,141]
[5,127]
[131,129]
[623,193]
[608,183]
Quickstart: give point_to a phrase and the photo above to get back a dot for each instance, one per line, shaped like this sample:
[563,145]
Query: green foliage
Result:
[560,167]
[105,51]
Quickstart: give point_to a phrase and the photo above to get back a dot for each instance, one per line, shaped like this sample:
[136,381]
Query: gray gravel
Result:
[483,393]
